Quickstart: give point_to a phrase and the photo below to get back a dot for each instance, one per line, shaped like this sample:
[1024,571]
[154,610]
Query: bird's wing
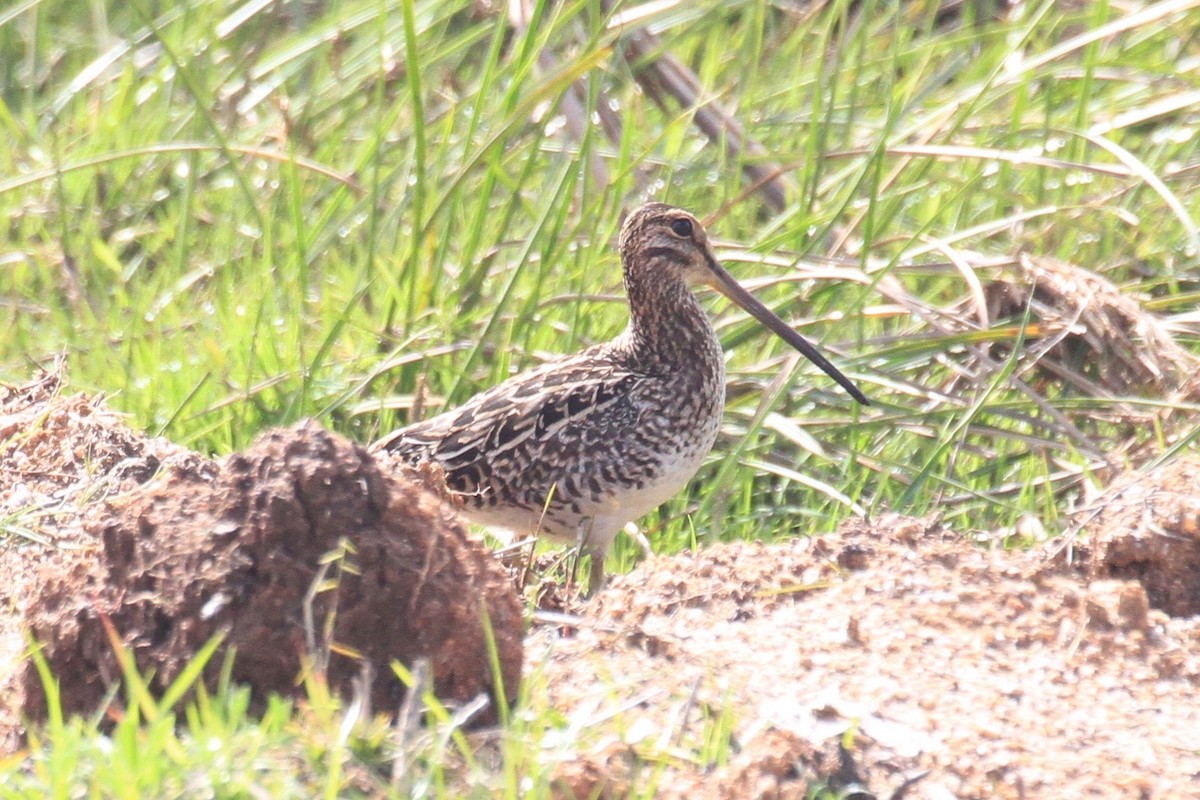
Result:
[522,423]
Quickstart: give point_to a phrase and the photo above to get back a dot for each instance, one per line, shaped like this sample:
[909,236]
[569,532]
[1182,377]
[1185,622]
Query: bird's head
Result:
[667,243]
[664,245]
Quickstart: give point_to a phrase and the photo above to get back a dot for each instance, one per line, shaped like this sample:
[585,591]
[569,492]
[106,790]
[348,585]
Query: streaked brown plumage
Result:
[577,448]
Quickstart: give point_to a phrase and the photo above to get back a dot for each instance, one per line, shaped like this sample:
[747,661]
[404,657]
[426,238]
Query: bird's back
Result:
[594,439]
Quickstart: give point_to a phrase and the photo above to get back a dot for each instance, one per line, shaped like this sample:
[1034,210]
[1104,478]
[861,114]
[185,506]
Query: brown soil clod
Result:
[263,548]
[59,453]
[1146,527]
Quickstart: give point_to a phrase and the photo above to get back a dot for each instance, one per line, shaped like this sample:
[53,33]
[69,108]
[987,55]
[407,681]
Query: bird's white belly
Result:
[630,503]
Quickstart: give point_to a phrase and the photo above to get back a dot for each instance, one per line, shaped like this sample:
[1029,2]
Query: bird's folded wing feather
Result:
[552,408]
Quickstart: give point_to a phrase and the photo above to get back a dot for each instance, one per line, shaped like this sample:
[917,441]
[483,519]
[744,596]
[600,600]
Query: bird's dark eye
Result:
[681,227]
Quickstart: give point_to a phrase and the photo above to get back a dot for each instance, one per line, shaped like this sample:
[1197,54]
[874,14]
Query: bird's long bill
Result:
[724,283]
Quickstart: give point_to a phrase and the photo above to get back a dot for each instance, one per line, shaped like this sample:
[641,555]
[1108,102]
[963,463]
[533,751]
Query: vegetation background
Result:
[231,216]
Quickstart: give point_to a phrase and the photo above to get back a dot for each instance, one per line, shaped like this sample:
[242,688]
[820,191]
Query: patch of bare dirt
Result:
[241,547]
[1145,527]
[893,659]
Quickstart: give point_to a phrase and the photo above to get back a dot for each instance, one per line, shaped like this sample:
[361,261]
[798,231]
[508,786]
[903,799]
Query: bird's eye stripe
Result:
[681,227]
[667,254]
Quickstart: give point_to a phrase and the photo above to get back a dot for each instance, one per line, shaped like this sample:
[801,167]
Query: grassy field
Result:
[230,217]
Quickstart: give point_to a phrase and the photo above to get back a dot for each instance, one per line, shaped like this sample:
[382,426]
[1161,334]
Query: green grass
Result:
[233,216]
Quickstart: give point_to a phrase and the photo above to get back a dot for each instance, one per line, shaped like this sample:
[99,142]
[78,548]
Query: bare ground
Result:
[895,658]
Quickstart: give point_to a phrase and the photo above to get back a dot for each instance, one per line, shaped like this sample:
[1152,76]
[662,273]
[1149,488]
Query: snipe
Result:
[577,448]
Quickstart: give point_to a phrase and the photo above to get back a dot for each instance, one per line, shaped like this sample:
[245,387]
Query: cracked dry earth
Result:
[892,659]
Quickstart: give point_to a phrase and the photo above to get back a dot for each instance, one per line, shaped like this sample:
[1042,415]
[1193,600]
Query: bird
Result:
[579,447]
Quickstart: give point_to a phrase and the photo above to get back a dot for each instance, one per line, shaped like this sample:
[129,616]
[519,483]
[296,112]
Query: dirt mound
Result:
[58,454]
[301,544]
[893,657]
[1097,335]
[1146,527]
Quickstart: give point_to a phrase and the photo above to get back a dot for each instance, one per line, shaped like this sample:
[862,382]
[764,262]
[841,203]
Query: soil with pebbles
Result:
[898,659]
[894,658]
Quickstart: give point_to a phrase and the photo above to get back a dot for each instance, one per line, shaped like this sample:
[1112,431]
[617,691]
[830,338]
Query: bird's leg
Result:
[596,576]
[595,546]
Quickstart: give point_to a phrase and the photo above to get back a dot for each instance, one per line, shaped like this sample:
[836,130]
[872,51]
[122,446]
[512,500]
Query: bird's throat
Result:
[669,328]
